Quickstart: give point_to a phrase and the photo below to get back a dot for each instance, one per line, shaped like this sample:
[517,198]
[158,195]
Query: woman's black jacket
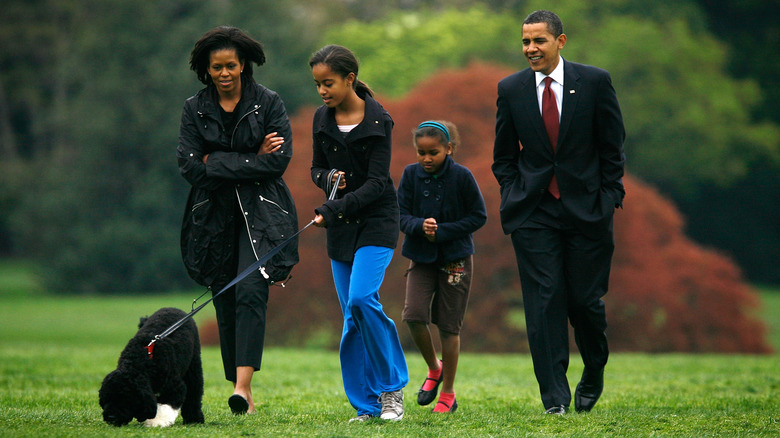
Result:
[237,192]
[365,213]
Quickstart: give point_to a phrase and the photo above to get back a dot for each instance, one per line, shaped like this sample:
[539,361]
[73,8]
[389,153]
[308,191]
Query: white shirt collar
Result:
[556,75]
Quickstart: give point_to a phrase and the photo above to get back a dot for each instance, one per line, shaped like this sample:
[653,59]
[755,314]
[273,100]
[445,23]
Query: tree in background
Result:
[91,91]
[667,293]
[404,48]
[689,124]
[670,294]
[99,198]
[93,191]
[748,204]
[754,24]
[90,184]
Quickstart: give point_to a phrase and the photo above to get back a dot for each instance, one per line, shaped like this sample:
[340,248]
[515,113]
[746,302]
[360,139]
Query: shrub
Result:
[666,293]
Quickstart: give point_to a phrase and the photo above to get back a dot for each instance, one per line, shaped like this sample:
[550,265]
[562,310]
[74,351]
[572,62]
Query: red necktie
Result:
[551,124]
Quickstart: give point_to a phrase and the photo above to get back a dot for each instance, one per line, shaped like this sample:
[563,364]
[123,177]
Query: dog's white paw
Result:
[166,416]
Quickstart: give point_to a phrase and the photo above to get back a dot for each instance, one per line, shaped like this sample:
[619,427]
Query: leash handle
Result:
[333,190]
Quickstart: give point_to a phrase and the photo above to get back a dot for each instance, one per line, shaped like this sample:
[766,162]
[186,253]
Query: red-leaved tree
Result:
[666,292]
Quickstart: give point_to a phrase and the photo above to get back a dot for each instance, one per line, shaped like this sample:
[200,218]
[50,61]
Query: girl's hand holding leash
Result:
[341,184]
[338,182]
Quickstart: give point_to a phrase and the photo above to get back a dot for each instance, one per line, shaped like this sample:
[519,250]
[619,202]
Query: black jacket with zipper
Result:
[237,192]
[365,213]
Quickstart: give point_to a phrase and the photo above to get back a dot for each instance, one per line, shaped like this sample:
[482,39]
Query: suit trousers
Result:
[564,274]
[372,360]
[241,314]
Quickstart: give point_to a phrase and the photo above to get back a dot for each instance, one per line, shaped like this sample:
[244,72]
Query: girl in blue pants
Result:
[372,361]
[352,143]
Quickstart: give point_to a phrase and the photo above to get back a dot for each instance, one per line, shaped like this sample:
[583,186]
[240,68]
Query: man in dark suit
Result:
[561,180]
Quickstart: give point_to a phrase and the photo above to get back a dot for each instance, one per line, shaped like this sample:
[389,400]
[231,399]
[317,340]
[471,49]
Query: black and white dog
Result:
[153,388]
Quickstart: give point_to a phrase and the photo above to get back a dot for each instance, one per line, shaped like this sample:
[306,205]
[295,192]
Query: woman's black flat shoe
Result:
[238,404]
[426,397]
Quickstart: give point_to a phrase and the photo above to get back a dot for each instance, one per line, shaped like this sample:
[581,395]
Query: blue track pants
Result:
[372,360]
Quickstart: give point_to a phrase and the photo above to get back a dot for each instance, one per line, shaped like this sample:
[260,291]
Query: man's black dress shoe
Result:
[589,390]
[557,410]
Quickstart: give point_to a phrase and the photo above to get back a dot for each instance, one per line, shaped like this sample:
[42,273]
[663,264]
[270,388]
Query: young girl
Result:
[352,139]
[441,205]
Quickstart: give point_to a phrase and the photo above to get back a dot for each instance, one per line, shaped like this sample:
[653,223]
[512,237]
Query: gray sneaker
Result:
[392,405]
[361,418]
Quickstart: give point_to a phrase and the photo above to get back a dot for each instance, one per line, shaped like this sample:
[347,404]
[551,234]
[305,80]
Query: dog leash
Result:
[253,267]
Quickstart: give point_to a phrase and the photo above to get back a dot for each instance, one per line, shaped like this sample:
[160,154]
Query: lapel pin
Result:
[571,91]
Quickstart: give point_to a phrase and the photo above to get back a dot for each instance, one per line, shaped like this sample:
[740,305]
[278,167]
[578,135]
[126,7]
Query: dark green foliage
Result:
[91,93]
[688,122]
[100,201]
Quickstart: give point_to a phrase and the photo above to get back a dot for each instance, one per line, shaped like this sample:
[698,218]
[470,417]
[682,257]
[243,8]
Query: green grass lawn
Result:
[55,351]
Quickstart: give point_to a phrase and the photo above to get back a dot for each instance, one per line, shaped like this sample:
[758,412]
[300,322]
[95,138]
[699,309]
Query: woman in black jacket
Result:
[235,143]
[353,138]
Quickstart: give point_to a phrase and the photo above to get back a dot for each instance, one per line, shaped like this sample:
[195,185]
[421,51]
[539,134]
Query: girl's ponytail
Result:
[361,88]
[341,61]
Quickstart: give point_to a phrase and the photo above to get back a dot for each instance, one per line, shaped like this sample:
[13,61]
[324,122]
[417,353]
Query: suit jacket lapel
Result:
[529,104]
[571,88]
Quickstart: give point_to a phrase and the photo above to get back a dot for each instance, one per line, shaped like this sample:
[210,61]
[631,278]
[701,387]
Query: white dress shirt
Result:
[556,85]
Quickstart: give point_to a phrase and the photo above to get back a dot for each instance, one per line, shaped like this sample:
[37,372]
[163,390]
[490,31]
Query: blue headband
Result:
[437,125]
